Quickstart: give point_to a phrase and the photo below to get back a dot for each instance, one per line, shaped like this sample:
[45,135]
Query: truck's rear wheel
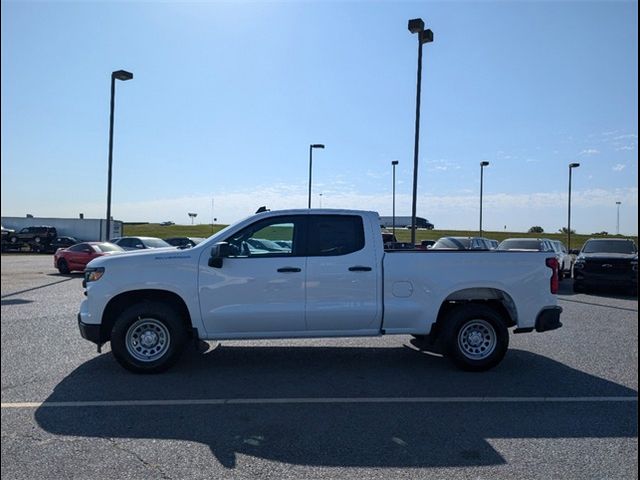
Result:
[148,337]
[477,337]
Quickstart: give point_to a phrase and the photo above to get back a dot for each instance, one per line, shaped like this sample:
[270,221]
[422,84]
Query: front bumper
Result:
[606,280]
[91,332]
[548,319]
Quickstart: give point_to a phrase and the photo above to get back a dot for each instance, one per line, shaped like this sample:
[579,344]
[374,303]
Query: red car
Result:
[77,256]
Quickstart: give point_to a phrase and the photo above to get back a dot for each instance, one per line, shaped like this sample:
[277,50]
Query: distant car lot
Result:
[323,409]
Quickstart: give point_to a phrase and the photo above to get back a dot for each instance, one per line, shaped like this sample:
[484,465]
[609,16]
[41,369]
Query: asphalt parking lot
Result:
[563,404]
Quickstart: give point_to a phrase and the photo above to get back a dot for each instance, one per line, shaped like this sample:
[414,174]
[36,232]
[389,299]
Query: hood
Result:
[149,254]
[602,256]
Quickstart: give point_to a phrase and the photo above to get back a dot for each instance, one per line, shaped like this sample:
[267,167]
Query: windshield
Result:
[450,242]
[609,246]
[155,243]
[108,247]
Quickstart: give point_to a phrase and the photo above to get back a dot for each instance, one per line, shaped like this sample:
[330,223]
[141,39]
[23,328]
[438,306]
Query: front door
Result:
[260,290]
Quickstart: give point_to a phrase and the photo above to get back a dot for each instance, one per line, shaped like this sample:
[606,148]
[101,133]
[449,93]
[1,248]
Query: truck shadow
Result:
[337,434]
[566,290]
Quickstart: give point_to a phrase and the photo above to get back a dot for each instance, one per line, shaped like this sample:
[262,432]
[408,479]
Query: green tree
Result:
[536,229]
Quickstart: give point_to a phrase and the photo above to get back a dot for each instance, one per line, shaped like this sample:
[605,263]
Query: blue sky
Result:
[227,97]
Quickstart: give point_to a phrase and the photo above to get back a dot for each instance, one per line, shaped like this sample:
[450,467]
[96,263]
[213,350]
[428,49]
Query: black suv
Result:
[607,263]
[38,237]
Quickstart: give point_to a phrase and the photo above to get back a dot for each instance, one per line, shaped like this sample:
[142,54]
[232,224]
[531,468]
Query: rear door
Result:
[342,276]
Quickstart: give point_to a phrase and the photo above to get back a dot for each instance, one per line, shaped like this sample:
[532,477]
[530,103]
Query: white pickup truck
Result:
[315,273]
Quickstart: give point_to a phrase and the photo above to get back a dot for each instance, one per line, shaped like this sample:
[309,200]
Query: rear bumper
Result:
[548,319]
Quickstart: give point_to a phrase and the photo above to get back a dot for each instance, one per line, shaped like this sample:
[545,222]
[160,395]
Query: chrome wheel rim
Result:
[147,339]
[477,339]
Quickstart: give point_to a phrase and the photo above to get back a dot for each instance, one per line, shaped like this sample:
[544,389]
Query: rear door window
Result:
[335,235]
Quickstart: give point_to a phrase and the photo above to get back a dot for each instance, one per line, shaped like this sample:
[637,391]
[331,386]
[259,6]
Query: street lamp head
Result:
[426,36]
[416,25]
[484,163]
[317,145]
[122,75]
[394,162]
[574,165]
[618,203]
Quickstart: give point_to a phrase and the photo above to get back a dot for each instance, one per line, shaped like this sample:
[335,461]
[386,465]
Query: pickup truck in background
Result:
[333,279]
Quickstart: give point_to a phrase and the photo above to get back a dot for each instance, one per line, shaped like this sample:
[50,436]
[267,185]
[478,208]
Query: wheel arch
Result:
[494,298]
[126,299]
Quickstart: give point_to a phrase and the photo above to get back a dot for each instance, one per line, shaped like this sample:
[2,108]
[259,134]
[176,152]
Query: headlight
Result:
[578,265]
[634,265]
[93,274]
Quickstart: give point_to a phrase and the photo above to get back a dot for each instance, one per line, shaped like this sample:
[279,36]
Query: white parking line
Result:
[329,400]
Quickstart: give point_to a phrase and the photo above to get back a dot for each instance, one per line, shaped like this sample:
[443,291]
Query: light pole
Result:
[618,219]
[416,25]
[393,166]
[571,167]
[311,147]
[482,165]
[117,75]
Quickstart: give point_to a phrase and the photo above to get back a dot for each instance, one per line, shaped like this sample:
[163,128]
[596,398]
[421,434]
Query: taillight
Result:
[552,263]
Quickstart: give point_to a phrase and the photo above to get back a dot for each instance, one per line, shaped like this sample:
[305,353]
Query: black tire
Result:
[476,337]
[63,266]
[165,336]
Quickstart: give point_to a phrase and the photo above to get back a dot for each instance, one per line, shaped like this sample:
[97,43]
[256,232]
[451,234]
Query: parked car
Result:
[76,257]
[399,246]
[267,245]
[38,237]
[461,243]
[183,242]
[140,243]
[167,224]
[526,244]
[388,237]
[6,232]
[607,263]
[565,259]
[424,244]
[62,242]
[493,244]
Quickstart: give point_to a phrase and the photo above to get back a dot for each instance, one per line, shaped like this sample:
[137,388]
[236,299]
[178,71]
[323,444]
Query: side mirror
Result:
[219,251]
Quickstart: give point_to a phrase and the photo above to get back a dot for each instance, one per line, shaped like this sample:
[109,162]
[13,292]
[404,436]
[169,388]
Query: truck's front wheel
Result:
[477,337]
[148,337]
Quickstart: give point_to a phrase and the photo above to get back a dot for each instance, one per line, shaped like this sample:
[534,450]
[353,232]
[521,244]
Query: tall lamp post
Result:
[618,219]
[571,167]
[393,166]
[117,75]
[311,147]
[416,25]
[482,165]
